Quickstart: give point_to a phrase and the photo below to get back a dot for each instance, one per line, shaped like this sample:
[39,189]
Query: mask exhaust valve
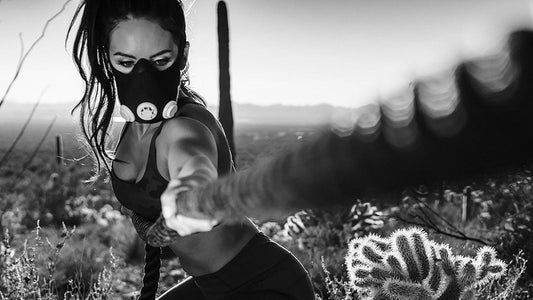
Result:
[146,111]
[170,109]
[126,113]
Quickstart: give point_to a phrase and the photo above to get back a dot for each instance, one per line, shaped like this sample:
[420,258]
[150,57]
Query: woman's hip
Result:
[261,269]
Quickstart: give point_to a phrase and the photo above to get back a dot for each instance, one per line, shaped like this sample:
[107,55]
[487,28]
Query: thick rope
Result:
[152,257]
[152,264]
[470,121]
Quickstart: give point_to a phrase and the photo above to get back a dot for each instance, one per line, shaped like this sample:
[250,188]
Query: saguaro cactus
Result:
[59,149]
[225,111]
[408,265]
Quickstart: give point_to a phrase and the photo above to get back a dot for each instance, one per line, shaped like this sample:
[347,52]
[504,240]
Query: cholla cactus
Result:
[364,215]
[407,265]
[361,217]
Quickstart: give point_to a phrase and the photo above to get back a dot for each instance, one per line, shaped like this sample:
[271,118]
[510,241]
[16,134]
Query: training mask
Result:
[146,94]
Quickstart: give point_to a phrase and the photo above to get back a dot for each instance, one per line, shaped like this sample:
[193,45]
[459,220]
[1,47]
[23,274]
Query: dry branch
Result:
[22,130]
[24,55]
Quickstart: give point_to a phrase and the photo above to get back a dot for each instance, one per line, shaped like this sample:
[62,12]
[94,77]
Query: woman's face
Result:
[137,38]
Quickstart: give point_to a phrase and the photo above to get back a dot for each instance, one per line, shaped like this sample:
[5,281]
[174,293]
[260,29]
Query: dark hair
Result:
[90,53]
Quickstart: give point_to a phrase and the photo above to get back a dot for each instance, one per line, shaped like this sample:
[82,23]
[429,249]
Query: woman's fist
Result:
[180,222]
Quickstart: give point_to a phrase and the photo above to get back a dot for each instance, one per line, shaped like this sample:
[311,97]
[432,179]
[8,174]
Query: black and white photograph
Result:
[266,149]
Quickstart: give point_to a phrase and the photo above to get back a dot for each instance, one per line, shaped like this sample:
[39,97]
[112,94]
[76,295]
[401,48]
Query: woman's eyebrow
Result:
[125,55]
[133,57]
[161,52]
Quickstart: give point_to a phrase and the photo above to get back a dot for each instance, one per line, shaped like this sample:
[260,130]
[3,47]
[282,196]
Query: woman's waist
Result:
[207,252]
[259,256]
[143,197]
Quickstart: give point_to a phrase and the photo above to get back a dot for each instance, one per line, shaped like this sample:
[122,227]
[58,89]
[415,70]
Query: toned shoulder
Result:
[183,126]
[204,116]
[198,112]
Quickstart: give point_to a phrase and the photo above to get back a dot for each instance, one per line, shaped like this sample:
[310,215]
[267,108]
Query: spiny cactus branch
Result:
[414,267]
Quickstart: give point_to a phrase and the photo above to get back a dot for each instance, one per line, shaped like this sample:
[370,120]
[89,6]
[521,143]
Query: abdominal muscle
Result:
[207,252]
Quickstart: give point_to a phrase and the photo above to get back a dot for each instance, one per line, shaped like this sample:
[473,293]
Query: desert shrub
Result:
[507,287]
[80,265]
[11,220]
[338,287]
[171,274]
[509,216]
[52,194]
[34,270]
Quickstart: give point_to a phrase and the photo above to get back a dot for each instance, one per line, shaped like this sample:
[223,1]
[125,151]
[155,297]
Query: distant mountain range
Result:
[245,114]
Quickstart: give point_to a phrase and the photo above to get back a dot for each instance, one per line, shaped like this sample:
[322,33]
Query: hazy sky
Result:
[297,52]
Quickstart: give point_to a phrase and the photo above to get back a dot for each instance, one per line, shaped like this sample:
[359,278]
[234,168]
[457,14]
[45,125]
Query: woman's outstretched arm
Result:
[192,158]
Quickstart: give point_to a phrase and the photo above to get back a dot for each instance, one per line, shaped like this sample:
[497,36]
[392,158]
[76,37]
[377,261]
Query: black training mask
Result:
[146,94]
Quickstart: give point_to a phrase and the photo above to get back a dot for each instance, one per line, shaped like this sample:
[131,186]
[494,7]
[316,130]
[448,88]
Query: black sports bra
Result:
[143,196]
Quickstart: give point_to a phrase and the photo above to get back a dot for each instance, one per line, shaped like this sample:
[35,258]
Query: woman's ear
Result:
[185,58]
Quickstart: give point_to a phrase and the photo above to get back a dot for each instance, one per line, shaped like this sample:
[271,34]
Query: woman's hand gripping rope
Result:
[170,225]
[184,224]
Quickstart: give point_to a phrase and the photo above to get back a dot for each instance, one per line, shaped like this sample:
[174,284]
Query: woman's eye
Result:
[161,62]
[126,64]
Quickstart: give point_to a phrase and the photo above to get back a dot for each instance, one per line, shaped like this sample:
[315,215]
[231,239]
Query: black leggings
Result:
[261,270]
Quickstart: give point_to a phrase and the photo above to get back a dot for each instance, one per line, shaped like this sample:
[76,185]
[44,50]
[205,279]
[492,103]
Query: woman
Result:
[135,52]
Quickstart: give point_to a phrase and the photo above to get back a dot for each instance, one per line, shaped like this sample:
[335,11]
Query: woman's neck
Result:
[141,130]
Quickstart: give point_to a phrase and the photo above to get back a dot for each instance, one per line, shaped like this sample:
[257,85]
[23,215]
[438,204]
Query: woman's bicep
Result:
[192,149]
